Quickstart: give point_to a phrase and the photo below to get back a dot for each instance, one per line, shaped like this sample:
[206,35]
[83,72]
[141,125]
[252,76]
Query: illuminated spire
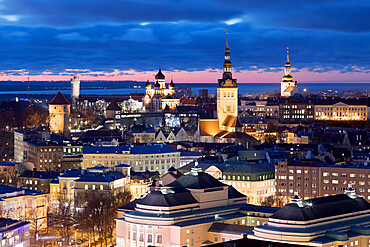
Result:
[227,39]
[287,54]
[287,75]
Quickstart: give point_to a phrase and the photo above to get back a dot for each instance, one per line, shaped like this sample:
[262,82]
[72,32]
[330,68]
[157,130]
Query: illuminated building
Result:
[227,128]
[75,182]
[288,85]
[159,97]
[227,92]
[14,233]
[152,158]
[296,110]
[194,210]
[59,110]
[18,203]
[339,220]
[255,181]
[313,178]
[341,109]
[75,90]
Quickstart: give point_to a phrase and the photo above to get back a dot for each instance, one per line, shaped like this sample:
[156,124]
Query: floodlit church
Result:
[160,96]
[288,85]
[227,127]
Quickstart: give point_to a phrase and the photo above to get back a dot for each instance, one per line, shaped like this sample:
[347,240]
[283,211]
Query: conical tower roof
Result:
[59,99]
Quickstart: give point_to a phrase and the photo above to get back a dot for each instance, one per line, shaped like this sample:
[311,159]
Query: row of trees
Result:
[95,214]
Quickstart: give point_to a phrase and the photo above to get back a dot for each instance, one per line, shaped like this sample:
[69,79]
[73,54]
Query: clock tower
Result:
[227,90]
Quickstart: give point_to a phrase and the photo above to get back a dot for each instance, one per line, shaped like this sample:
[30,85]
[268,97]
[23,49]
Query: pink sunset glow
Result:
[204,76]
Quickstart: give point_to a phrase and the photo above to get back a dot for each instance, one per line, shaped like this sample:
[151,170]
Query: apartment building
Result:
[23,204]
[313,178]
[152,158]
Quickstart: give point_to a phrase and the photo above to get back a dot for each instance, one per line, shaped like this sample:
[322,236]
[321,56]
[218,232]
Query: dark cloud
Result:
[188,35]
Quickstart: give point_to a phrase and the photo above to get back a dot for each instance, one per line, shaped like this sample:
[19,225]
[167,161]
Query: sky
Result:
[329,40]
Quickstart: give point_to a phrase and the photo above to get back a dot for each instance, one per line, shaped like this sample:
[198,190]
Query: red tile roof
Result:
[59,99]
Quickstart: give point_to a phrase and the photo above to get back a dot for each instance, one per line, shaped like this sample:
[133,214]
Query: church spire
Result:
[227,62]
[288,70]
[287,54]
[227,78]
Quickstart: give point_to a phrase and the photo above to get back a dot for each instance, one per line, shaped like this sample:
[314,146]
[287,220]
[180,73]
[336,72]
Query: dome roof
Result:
[157,84]
[147,84]
[159,75]
[172,84]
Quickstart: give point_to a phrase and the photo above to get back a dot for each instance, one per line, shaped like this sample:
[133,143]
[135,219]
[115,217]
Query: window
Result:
[150,238]
[334,181]
[216,238]
[299,171]
[334,174]
[352,175]
[86,187]
[326,181]
[325,174]
[159,239]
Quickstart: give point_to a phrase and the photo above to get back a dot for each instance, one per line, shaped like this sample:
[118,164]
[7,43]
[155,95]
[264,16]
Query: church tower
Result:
[227,90]
[160,78]
[287,83]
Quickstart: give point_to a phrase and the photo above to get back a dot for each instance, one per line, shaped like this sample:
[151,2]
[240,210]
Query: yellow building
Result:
[158,157]
[59,110]
[24,204]
[353,111]
[76,181]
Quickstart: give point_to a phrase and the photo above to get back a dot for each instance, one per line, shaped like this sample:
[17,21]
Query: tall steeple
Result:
[288,70]
[227,63]
[227,78]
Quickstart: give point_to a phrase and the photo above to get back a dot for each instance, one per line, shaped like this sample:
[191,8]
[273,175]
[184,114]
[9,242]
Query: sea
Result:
[33,88]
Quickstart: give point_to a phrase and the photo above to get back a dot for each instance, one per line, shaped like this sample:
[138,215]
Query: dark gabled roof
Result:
[230,228]
[71,173]
[199,180]
[113,106]
[233,193]
[100,177]
[153,149]
[59,99]
[41,174]
[177,198]
[105,149]
[246,167]
[129,206]
[322,207]
[122,165]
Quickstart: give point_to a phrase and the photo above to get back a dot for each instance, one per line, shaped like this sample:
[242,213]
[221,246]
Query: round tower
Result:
[75,87]
[59,110]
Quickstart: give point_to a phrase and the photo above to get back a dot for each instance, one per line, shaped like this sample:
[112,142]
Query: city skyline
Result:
[126,40]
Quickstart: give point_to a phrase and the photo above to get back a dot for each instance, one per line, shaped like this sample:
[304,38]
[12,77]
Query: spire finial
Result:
[171,77]
[227,39]
[287,54]
[159,64]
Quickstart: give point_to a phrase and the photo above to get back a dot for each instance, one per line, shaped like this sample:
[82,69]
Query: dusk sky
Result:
[329,40]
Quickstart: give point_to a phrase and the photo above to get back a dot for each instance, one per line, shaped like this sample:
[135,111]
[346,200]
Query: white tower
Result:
[287,83]
[227,90]
[75,90]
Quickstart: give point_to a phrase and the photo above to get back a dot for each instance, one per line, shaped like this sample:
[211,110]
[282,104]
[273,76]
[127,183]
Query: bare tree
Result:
[63,219]
[100,210]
